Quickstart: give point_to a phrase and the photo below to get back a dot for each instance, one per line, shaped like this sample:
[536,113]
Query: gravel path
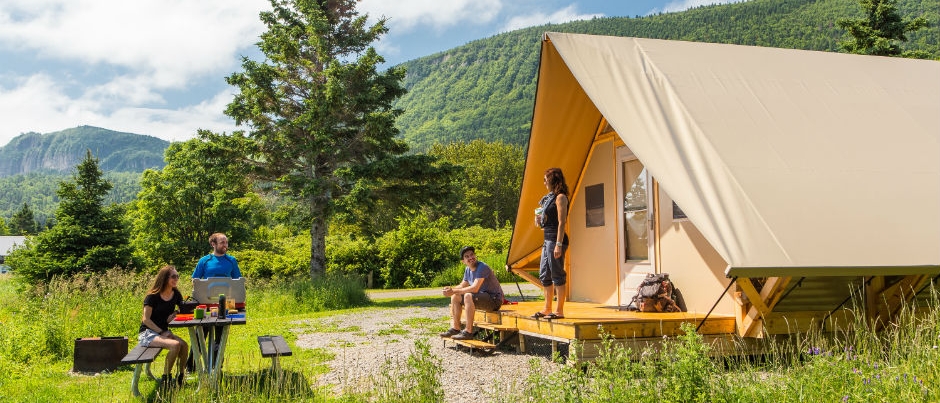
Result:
[362,342]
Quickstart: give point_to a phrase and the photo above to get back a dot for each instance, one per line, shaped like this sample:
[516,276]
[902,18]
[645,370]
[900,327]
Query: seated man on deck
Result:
[479,290]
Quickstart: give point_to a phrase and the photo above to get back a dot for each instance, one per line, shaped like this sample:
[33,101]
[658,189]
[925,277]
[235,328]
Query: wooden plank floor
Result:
[586,321]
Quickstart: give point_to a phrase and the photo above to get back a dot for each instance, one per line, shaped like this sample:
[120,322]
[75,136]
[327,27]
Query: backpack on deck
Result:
[656,293]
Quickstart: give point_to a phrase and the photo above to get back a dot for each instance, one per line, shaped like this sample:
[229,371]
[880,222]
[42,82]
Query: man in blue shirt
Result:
[479,290]
[218,263]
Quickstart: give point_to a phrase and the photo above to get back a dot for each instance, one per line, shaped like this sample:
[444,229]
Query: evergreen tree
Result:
[87,237]
[3,227]
[23,222]
[320,114]
[882,30]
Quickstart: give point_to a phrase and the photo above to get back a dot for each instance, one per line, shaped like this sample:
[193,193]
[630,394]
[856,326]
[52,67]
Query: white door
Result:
[634,195]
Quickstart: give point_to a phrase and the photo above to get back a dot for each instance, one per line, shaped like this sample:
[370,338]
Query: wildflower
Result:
[845,398]
[814,351]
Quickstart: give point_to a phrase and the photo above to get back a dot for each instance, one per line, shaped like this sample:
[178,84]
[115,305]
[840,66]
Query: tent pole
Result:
[847,299]
[733,279]
[521,295]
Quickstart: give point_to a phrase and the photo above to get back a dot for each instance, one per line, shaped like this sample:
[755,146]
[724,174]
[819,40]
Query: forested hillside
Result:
[38,191]
[33,164]
[485,89]
[63,150]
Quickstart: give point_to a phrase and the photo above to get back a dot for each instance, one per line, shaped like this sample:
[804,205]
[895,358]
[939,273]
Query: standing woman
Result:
[160,306]
[554,214]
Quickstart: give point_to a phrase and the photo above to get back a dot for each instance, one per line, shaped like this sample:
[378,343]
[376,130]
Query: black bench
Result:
[142,357]
[273,347]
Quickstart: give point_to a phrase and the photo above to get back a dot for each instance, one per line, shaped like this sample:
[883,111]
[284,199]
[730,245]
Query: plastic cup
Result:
[199,313]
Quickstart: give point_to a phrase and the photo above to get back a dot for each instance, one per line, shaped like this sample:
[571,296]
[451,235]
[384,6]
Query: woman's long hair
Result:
[556,181]
[163,279]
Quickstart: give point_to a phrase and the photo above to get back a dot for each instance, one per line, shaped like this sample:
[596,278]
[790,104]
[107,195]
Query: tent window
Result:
[677,212]
[635,211]
[594,201]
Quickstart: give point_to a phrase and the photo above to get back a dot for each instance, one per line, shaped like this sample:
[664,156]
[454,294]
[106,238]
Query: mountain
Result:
[62,151]
[32,165]
[486,88]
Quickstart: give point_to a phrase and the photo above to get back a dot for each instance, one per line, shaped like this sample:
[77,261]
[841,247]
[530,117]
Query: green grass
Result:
[38,327]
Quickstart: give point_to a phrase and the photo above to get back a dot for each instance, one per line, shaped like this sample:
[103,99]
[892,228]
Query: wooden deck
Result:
[587,322]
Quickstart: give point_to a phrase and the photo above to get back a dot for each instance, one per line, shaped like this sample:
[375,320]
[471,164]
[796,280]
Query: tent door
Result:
[634,192]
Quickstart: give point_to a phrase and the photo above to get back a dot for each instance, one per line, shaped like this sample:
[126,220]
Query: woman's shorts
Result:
[145,337]
[552,270]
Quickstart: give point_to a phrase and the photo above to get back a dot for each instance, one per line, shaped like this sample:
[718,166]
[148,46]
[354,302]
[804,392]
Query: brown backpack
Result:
[657,294]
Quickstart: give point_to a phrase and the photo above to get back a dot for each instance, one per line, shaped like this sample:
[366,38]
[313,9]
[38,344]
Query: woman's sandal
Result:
[538,314]
[554,315]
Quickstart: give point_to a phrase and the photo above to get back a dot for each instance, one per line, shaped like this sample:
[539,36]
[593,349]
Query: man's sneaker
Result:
[463,335]
[450,332]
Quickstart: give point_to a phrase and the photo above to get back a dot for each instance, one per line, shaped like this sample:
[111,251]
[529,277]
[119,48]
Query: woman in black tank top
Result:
[552,220]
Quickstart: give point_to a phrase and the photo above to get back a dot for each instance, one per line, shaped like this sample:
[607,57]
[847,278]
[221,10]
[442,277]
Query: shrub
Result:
[287,257]
[416,252]
[346,255]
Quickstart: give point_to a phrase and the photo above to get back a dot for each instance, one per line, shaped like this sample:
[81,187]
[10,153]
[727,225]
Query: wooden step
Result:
[496,327]
[475,344]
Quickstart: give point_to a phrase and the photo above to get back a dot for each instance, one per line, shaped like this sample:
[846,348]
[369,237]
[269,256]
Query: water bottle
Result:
[222,309]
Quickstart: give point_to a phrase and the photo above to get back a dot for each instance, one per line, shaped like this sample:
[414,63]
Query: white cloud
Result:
[120,58]
[405,15]
[38,104]
[682,5]
[566,14]
[175,124]
[170,40]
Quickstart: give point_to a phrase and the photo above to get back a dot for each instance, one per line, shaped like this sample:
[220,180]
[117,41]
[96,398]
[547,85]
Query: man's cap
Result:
[465,249]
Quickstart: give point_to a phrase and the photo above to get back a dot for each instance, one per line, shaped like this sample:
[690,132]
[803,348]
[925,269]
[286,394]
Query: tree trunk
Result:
[318,244]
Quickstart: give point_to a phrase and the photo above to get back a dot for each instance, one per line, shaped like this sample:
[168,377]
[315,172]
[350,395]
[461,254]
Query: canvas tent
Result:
[785,163]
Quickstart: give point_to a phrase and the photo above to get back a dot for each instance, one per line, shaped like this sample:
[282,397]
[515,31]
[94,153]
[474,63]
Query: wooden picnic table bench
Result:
[273,347]
[142,357]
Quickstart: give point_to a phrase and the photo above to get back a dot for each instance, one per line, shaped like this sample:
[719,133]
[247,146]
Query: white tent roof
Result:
[786,160]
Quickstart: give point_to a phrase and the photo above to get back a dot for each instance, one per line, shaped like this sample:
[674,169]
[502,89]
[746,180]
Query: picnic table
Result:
[202,343]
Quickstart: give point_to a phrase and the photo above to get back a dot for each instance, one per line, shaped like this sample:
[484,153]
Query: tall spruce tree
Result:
[23,221]
[88,237]
[881,31]
[320,115]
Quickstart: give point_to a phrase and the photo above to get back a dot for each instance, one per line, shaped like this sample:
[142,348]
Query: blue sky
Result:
[157,67]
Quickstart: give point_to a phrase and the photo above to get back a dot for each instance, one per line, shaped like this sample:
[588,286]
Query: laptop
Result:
[206,291]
